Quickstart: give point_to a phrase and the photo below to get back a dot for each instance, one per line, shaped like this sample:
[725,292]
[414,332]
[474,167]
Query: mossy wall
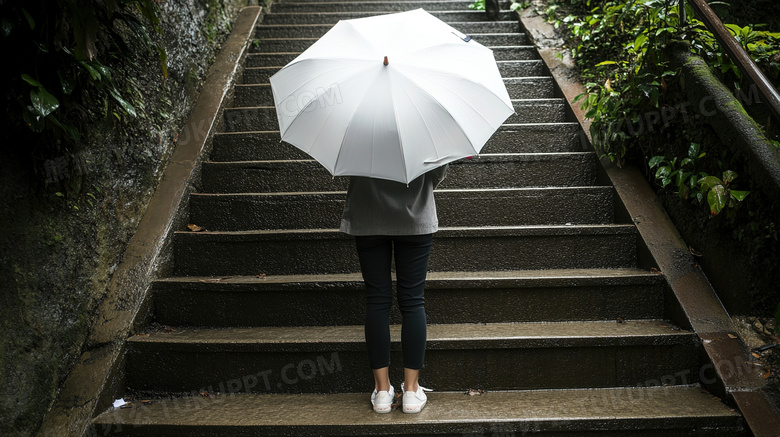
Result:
[56,261]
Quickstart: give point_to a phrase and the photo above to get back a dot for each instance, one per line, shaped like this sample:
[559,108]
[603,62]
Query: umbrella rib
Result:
[398,127]
[445,110]
[305,83]
[344,138]
[421,116]
[464,100]
[324,122]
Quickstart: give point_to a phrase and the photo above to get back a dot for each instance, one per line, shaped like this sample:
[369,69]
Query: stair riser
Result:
[261,146]
[199,256]
[636,427]
[522,88]
[519,53]
[158,368]
[447,16]
[260,75]
[317,30]
[264,118]
[374,6]
[272,177]
[322,211]
[329,304]
[297,44]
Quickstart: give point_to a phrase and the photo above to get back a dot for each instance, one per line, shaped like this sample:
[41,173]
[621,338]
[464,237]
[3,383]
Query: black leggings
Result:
[411,265]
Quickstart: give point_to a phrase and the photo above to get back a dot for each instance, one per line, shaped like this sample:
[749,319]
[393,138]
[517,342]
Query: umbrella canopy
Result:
[391,96]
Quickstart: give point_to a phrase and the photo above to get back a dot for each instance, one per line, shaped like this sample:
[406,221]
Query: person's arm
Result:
[439,173]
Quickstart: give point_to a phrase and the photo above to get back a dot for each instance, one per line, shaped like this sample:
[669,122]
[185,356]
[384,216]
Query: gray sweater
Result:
[383,207]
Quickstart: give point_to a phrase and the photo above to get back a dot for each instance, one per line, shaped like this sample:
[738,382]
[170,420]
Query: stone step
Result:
[279,59]
[635,411]
[327,251]
[492,356]
[263,118]
[503,3]
[517,138]
[575,169]
[299,44]
[450,297]
[531,67]
[266,30]
[334,17]
[463,207]
[389,6]
[537,87]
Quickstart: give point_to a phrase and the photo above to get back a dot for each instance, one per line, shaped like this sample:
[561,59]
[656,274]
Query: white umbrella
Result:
[391,96]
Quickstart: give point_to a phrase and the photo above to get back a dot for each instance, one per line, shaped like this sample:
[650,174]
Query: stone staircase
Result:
[537,293]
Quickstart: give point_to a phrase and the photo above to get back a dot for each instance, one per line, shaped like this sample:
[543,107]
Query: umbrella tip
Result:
[385,61]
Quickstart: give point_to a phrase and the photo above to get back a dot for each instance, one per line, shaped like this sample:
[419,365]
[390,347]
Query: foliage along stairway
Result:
[536,294]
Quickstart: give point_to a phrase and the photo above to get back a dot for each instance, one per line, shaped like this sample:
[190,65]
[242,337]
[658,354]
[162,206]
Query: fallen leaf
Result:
[756,355]
[261,275]
[655,270]
[768,372]
[693,251]
[732,336]
[195,228]
[621,320]
[141,335]
[475,392]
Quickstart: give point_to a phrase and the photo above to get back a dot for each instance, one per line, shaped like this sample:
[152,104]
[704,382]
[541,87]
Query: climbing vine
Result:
[66,70]
[640,112]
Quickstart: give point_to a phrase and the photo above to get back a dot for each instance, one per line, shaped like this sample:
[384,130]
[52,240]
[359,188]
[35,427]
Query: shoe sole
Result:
[416,409]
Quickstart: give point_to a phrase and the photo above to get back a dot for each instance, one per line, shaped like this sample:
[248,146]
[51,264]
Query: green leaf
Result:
[655,160]
[30,80]
[717,199]
[739,196]
[641,39]
[693,150]
[67,85]
[728,176]
[736,30]
[92,71]
[606,63]
[124,103]
[163,57]
[662,172]
[707,182]
[43,102]
[579,97]
[29,18]
[34,121]
[777,316]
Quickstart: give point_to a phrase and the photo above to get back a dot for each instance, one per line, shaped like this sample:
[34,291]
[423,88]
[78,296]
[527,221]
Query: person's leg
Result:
[411,266]
[374,253]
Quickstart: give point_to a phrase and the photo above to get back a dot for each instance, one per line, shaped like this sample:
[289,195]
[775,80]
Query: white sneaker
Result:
[414,401]
[383,400]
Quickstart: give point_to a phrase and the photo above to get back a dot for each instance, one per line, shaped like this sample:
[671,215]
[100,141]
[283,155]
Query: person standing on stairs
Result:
[394,220]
